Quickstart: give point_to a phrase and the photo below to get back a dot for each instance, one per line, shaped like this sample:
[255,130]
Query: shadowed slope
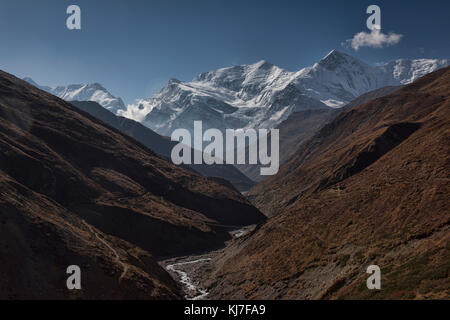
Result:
[300,126]
[60,166]
[163,145]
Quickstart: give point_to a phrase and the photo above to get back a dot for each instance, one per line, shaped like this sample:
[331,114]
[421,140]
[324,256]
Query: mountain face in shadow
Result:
[163,145]
[370,188]
[74,191]
[302,125]
[152,140]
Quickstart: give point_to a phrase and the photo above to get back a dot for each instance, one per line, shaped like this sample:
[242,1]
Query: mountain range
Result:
[262,95]
[259,95]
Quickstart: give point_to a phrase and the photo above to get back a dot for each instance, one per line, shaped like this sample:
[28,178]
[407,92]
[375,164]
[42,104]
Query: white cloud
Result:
[374,39]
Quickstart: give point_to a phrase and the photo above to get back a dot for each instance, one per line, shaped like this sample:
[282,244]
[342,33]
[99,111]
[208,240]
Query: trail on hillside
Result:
[117,256]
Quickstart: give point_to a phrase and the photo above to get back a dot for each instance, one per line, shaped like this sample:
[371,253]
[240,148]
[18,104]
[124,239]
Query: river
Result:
[189,270]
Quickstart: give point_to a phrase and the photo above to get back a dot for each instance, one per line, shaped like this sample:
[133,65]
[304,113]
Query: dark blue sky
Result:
[134,47]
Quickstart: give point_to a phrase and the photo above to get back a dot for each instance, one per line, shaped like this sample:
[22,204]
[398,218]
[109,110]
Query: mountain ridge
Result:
[262,95]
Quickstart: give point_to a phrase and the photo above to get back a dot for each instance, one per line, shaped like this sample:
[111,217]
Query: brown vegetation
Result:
[371,187]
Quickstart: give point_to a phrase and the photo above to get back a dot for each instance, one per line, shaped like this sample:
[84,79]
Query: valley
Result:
[224,159]
[365,184]
[382,201]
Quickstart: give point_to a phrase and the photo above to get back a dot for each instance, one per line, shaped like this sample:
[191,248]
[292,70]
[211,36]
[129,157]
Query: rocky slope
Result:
[371,187]
[76,191]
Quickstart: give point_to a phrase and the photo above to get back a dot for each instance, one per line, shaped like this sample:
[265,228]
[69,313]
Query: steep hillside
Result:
[370,96]
[70,185]
[372,187]
[40,239]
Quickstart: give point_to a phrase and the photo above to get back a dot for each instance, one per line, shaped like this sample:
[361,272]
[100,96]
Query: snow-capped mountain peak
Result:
[84,92]
[336,59]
